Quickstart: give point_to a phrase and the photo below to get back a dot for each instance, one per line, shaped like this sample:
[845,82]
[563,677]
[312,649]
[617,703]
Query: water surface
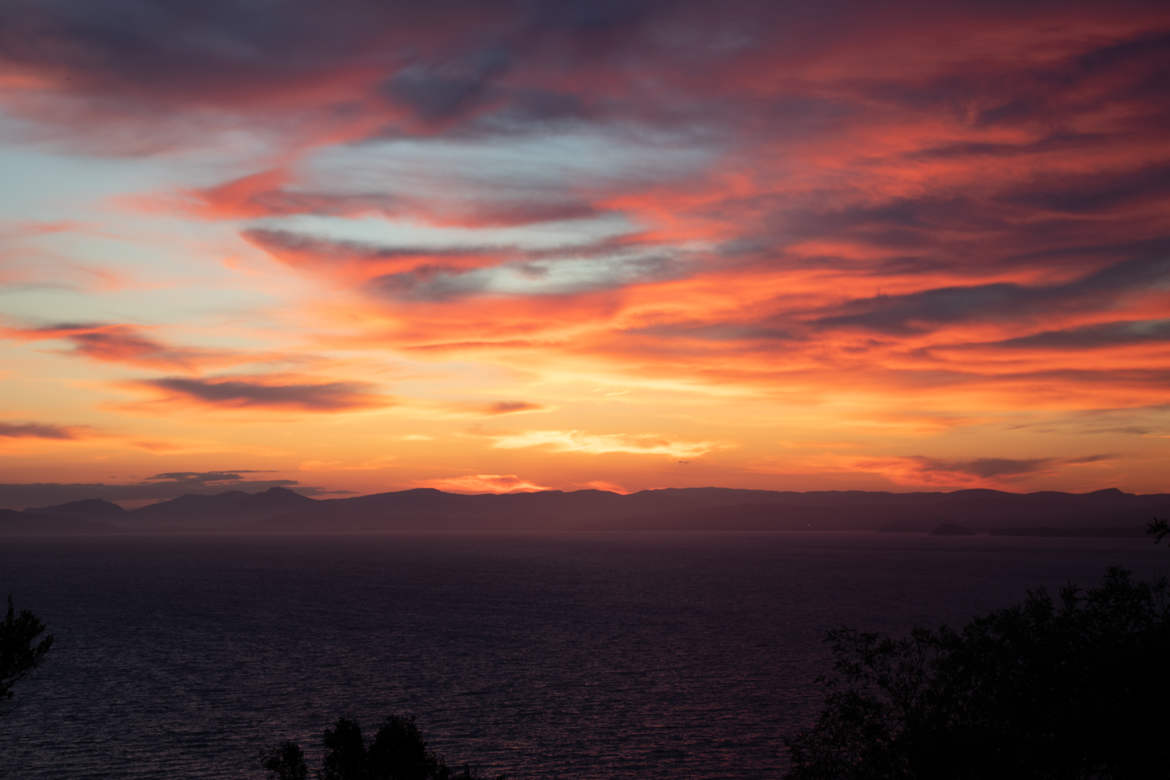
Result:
[583,657]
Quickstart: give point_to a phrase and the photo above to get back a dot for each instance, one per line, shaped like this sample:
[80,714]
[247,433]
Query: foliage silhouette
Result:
[20,650]
[286,762]
[345,752]
[398,752]
[1159,529]
[1043,689]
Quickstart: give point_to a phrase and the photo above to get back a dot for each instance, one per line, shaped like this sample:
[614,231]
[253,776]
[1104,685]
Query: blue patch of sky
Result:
[535,164]
[377,231]
[44,185]
[569,167]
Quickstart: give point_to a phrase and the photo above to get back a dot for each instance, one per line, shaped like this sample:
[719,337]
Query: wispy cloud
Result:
[971,472]
[266,392]
[603,444]
[509,407]
[483,483]
[27,430]
[272,193]
[121,343]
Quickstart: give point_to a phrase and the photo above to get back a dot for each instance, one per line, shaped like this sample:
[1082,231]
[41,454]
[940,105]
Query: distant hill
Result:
[86,508]
[50,523]
[278,510]
[234,510]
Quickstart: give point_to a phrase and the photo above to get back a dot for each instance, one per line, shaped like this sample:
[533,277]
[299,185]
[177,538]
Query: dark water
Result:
[581,657]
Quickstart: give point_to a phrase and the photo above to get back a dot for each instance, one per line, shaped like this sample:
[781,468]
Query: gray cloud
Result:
[437,92]
[1055,142]
[1106,334]
[510,407]
[433,283]
[988,468]
[564,276]
[160,487]
[116,343]
[717,331]
[1093,193]
[921,310]
[37,431]
[205,477]
[236,393]
[327,250]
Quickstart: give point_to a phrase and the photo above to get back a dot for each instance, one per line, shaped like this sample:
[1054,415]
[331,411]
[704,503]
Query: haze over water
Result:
[589,657]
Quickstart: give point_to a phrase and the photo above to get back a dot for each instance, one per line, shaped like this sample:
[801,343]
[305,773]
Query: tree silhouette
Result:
[20,650]
[286,762]
[345,753]
[1043,689]
[398,752]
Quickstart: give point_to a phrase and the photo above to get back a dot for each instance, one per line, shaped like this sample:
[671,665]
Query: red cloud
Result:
[270,193]
[355,262]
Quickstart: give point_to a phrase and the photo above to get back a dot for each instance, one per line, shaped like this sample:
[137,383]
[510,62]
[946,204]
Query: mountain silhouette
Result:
[52,521]
[233,510]
[92,508]
[424,510]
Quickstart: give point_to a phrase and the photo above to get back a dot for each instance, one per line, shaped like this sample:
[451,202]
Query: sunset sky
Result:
[361,246]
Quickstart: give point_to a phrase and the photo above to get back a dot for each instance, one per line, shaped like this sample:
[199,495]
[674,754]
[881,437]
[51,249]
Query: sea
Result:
[640,656]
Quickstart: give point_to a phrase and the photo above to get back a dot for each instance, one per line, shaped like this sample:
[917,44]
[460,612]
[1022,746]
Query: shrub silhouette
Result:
[20,651]
[1043,689]
[398,752]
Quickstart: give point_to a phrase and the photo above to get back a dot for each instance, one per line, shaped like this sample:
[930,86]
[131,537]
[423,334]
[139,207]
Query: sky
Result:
[617,244]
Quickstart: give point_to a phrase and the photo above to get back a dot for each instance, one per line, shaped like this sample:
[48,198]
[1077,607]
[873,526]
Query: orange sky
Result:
[620,245]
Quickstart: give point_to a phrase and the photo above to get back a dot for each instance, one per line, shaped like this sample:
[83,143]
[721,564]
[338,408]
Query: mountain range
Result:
[279,510]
